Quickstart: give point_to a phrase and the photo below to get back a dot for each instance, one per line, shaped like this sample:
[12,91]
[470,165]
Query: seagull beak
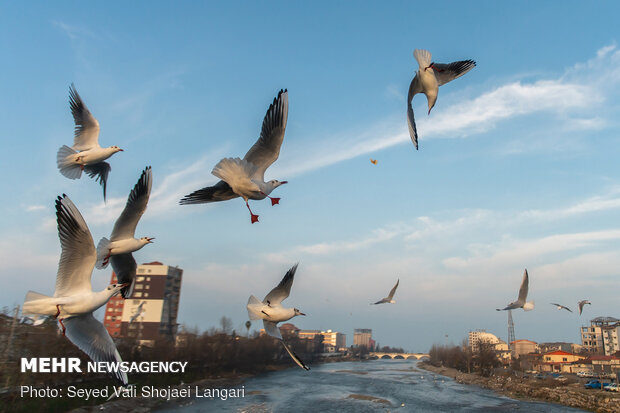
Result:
[301,313]
[121,150]
[284,182]
[150,240]
[125,284]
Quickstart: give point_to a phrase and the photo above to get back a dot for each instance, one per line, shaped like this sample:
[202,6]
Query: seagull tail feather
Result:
[423,57]
[254,308]
[529,306]
[38,304]
[68,167]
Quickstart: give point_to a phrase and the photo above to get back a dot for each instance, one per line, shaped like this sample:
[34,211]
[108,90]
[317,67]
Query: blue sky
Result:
[517,165]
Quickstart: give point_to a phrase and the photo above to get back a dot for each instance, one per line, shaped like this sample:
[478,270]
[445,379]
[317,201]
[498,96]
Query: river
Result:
[373,386]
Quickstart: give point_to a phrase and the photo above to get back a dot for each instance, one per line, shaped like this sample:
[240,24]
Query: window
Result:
[146,294]
[138,294]
[564,359]
[139,279]
[138,286]
[146,287]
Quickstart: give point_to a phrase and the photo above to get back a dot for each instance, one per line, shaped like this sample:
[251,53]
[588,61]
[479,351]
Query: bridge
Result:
[407,356]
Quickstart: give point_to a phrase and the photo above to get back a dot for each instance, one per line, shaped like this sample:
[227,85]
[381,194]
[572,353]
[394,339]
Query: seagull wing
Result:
[90,336]
[414,88]
[267,148]
[272,329]
[100,172]
[294,356]
[218,192]
[447,72]
[78,256]
[381,301]
[581,304]
[279,294]
[86,126]
[523,289]
[124,266]
[125,226]
[391,295]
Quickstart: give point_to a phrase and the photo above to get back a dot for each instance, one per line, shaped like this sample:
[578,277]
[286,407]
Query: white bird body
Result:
[93,155]
[274,312]
[71,305]
[127,245]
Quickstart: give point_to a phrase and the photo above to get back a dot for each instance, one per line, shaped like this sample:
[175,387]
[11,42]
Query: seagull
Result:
[581,304]
[270,310]
[521,303]
[427,80]
[389,298]
[74,300]
[122,242]
[560,307]
[139,312]
[373,161]
[85,154]
[246,177]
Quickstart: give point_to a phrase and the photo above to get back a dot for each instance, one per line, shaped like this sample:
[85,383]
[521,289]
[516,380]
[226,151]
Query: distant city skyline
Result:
[517,166]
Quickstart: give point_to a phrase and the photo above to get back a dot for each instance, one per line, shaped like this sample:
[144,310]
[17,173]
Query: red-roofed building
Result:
[554,360]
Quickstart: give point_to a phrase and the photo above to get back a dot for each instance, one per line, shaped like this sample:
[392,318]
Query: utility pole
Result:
[511,329]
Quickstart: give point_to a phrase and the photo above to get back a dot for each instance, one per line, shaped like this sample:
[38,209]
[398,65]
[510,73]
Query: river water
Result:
[395,385]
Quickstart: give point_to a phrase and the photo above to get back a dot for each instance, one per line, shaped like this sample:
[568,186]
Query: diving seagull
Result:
[85,154]
[521,301]
[427,80]
[74,300]
[389,299]
[270,310]
[561,307]
[581,304]
[246,177]
[118,249]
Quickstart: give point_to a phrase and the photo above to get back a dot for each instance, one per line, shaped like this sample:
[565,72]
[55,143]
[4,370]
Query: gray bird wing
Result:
[391,295]
[78,255]
[124,266]
[523,289]
[294,356]
[100,172]
[86,126]
[279,294]
[90,336]
[272,329]
[221,191]
[414,88]
[125,226]
[445,73]
[267,148]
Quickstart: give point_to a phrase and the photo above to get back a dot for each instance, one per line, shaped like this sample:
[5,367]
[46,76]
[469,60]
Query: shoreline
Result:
[570,395]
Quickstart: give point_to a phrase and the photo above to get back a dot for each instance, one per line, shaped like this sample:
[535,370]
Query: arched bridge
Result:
[381,355]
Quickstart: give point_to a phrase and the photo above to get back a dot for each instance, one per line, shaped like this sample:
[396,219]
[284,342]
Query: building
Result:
[601,337]
[332,341]
[289,330]
[362,337]
[563,346]
[522,347]
[151,311]
[478,337]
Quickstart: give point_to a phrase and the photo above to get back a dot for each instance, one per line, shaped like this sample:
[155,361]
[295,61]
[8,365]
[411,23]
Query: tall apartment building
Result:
[362,337]
[151,310]
[477,337]
[601,337]
[332,340]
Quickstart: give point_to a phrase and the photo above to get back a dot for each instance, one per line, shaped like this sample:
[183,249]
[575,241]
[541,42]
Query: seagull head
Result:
[146,240]
[297,312]
[432,99]
[274,183]
[115,149]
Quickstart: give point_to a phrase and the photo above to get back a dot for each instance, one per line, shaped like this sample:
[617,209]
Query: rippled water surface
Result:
[379,385]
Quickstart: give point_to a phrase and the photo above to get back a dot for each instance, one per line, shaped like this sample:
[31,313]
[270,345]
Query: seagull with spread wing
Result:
[427,80]
[270,310]
[521,300]
[581,304]
[561,307]
[139,312]
[122,243]
[74,300]
[246,177]
[390,298]
[85,154]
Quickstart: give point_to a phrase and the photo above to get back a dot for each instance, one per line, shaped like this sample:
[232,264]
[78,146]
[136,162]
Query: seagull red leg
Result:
[57,310]
[274,201]
[253,218]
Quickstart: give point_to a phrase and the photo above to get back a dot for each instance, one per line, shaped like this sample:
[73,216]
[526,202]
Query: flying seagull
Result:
[85,154]
[270,310]
[561,307]
[373,161]
[246,177]
[118,249]
[138,313]
[389,298]
[427,80]
[74,300]
[581,304]
[521,301]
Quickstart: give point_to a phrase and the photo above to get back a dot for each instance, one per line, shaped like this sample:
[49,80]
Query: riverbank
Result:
[551,391]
